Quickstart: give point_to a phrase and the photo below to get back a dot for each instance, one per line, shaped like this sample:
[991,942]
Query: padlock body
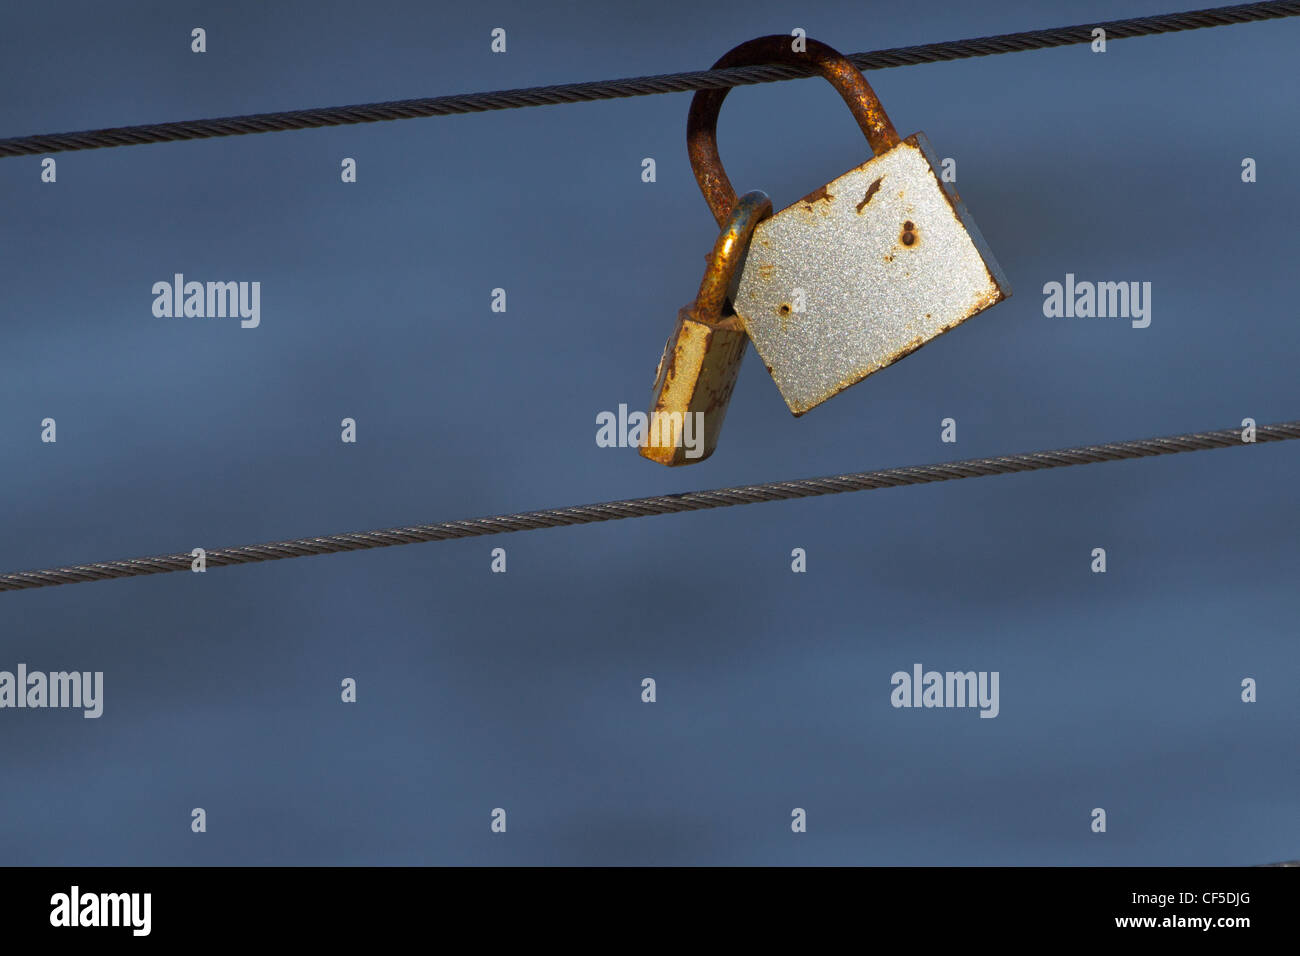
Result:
[692,389]
[881,260]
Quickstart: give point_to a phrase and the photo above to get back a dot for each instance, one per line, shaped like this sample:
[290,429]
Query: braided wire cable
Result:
[655,505]
[633,86]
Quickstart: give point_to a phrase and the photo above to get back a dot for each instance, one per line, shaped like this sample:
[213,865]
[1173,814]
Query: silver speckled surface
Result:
[870,298]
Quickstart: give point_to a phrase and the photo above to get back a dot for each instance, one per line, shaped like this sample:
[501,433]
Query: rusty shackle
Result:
[702,124]
[729,254]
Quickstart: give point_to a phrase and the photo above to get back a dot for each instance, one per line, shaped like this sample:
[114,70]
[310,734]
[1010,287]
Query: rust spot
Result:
[784,309]
[816,196]
[908,238]
[871,191]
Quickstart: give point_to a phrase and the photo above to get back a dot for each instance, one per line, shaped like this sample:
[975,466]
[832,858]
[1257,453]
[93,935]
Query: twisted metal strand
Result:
[657,505]
[633,86]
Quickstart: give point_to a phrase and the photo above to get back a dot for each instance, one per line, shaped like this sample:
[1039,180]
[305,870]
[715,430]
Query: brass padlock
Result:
[862,271]
[697,373]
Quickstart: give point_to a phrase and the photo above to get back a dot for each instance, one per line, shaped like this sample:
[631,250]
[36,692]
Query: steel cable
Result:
[656,505]
[633,86]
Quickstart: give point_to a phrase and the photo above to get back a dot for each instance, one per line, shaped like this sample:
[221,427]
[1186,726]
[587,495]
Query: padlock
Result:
[861,272]
[697,373]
